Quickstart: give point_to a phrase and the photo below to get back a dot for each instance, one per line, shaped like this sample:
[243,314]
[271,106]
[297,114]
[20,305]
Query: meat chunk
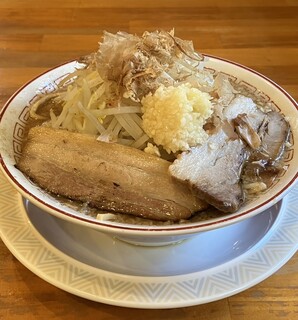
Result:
[246,131]
[264,163]
[213,170]
[274,134]
[108,176]
[239,105]
[265,134]
[246,138]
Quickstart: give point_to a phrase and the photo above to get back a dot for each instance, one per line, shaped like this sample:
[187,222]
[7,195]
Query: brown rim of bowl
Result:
[153,229]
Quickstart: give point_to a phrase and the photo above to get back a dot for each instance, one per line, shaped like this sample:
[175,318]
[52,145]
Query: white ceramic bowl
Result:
[13,120]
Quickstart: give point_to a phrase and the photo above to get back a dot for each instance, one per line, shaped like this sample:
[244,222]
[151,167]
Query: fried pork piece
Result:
[213,170]
[108,176]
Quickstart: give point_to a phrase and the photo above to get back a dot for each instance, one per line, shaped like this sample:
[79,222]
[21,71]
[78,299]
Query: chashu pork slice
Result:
[213,170]
[108,176]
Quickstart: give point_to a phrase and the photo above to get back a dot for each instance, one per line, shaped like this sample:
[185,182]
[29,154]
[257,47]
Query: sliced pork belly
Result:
[108,176]
[213,170]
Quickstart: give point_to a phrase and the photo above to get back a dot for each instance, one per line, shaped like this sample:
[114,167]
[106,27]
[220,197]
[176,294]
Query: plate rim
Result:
[283,230]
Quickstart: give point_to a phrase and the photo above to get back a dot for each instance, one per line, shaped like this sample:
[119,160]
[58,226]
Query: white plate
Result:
[209,267]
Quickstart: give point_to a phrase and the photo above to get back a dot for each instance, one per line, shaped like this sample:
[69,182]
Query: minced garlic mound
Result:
[174,116]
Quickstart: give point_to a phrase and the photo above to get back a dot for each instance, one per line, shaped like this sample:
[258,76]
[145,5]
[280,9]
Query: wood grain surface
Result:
[37,35]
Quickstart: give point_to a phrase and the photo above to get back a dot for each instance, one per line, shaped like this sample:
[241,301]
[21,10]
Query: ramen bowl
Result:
[14,118]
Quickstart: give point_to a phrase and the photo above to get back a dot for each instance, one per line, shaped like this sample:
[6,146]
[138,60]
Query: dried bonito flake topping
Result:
[139,65]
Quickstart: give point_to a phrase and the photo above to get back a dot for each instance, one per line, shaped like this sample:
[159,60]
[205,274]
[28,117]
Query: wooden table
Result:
[36,35]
